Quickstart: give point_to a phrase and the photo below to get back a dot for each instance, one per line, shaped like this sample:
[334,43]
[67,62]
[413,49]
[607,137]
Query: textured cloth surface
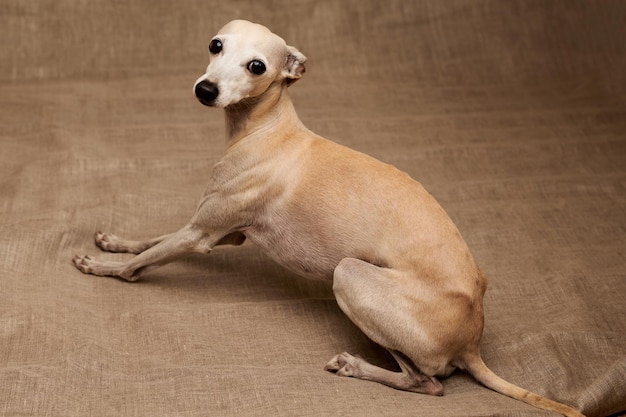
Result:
[512,114]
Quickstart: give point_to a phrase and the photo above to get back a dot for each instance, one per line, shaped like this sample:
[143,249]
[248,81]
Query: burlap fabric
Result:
[512,113]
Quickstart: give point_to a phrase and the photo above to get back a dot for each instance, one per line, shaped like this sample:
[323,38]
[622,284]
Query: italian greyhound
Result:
[400,269]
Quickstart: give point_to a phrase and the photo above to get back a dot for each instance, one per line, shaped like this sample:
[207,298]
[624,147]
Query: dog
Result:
[400,269]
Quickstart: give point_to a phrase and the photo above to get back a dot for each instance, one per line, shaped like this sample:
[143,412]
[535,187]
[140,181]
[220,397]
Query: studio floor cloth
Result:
[511,113]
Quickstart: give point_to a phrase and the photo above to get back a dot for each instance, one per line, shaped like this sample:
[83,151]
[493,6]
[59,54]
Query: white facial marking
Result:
[241,43]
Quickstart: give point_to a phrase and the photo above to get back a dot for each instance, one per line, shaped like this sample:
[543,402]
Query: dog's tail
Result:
[477,368]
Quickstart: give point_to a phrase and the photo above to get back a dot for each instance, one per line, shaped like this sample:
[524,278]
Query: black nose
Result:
[206,92]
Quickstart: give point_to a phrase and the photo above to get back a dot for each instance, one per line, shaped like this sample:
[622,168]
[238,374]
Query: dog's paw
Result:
[343,364]
[84,264]
[107,242]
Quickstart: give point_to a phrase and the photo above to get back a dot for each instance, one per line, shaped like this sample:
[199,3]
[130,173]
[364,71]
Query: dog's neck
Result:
[258,114]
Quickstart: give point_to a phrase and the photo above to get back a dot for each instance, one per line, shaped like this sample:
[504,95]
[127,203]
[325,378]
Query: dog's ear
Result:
[294,65]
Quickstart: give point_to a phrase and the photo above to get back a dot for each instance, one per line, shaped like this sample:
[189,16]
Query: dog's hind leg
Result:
[409,379]
[371,298]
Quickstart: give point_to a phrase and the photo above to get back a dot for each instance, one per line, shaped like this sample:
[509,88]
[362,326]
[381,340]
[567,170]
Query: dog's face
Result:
[244,60]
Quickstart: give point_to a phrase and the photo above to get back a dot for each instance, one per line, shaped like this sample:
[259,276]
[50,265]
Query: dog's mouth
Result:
[206,92]
[205,102]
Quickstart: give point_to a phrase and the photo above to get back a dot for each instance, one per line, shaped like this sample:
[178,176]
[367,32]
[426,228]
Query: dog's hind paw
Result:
[343,364]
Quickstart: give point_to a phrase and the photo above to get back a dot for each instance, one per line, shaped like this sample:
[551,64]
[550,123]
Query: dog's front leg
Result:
[186,241]
[112,243]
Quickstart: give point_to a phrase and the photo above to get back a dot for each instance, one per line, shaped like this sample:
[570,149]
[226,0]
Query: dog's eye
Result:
[215,47]
[256,67]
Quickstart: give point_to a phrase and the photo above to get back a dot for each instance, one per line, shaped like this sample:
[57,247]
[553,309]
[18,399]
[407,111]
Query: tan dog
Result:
[400,269]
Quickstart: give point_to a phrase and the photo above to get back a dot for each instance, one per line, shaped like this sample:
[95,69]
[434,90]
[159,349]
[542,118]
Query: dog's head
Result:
[244,60]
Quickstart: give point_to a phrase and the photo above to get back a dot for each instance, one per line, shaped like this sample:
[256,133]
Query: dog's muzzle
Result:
[206,92]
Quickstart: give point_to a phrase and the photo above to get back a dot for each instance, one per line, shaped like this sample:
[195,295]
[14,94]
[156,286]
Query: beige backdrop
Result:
[512,113]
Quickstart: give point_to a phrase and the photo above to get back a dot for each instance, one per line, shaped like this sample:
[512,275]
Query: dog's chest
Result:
[290,244]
